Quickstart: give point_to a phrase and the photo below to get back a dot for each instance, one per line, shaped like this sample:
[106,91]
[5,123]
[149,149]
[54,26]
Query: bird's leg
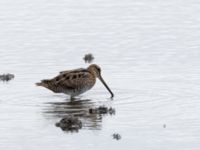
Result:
[72,98]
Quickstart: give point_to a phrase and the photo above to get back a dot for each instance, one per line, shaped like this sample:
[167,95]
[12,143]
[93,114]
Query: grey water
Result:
[149,53]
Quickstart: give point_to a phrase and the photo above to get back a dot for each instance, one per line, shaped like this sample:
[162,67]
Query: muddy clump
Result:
[6,77]
[116,136]
[102,110]
[69,123]
[88,58]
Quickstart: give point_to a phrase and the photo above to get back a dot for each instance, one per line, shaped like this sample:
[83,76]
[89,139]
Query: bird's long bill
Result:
[104,83]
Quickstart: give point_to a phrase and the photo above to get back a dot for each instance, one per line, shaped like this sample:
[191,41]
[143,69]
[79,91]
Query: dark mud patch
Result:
[102,110]
[116,136]
[6,77]
[69,123]
[88,58]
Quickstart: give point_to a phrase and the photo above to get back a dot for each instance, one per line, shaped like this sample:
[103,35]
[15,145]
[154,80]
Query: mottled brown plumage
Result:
[75,82]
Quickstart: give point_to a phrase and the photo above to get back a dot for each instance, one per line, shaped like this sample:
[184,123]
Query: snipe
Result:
[75,82]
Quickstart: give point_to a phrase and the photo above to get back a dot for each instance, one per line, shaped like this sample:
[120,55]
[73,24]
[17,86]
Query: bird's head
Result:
[96,71]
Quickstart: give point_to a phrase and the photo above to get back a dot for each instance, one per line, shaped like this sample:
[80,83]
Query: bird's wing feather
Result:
[73,71]
[72,78]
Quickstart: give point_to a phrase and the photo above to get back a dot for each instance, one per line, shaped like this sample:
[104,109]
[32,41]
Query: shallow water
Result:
[149,54]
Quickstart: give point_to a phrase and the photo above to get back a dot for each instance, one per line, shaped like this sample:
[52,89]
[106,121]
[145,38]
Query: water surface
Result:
[149,54]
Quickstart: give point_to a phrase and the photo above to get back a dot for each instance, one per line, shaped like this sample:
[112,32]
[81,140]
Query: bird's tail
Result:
[43,83]
[38,84]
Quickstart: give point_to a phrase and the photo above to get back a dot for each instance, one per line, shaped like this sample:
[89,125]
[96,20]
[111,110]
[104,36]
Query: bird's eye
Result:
[98,69]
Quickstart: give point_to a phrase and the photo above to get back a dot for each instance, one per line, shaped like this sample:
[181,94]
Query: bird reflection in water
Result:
[85,111]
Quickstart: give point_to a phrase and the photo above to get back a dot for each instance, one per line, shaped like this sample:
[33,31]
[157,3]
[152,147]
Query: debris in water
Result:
[116,136]
[69,123]
[6,77]
[102,110]
[88,58]
[164,125]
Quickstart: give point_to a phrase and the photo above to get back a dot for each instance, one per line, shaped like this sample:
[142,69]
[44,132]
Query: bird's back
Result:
[71,82]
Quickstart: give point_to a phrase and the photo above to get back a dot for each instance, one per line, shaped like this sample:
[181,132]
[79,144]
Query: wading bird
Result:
[75,82]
